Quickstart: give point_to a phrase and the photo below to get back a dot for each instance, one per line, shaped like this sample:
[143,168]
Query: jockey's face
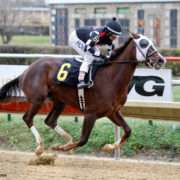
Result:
[112,37]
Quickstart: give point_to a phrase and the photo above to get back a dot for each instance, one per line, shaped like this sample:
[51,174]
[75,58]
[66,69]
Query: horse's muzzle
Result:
[160,63]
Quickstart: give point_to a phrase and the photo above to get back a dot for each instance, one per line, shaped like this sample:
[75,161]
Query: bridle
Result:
[146,56]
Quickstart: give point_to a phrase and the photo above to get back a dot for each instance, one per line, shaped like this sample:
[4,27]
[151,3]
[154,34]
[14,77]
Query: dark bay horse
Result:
[104,99]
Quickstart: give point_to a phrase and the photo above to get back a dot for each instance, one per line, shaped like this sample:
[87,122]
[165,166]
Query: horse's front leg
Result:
[118,119]
[88,124]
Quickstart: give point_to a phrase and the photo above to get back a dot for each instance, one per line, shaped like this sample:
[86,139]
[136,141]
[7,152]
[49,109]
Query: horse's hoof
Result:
[58,148]
[46,159]
[55,148]
[108,148]
[39,150]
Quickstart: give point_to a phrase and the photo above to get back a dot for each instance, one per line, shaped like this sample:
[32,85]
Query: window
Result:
[77,23]
[100,10]
[80,11]
[173,28]
[122,10]
[125,29]
[157,30]
[104,21]
[141,14]
[140,21]
[125,25]
[90,22]
[61,32]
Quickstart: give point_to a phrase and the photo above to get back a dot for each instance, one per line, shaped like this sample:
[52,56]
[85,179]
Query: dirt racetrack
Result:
[14,166]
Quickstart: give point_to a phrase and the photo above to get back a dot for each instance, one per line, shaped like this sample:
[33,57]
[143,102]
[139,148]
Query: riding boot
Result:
[81,78]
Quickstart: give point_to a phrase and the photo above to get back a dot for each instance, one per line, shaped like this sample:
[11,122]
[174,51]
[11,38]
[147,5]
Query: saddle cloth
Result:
[68,72]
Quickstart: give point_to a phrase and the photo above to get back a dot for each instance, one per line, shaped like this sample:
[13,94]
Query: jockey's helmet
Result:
[113,27]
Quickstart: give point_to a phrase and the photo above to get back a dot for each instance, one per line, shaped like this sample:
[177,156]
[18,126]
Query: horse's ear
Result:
[134,35]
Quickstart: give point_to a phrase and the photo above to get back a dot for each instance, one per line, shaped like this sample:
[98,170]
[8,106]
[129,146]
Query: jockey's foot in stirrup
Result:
[85,40]
[84,69]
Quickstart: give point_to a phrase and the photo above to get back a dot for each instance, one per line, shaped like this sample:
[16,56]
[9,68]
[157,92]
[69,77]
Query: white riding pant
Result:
[79,46]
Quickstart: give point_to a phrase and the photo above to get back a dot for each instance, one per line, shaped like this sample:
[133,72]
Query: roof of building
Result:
[106,1]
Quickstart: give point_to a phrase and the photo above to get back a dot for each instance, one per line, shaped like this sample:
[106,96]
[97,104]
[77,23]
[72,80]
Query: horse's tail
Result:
[10,89]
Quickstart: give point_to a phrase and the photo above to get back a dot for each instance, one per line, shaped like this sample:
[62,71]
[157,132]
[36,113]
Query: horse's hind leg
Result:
[51,121]
[28,119]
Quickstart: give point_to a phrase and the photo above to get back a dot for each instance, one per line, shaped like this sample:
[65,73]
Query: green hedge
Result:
[170,52]
[33,50]
[175,66]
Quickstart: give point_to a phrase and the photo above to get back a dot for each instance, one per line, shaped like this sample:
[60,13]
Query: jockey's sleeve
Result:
[92,41]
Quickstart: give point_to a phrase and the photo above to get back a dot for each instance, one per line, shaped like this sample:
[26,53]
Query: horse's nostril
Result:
[162,60]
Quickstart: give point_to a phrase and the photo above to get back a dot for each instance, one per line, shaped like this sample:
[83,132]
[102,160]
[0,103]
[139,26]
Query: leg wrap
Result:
[81,76]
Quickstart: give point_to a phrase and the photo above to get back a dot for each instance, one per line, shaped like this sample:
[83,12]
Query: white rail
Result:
[21,55]
[176,82]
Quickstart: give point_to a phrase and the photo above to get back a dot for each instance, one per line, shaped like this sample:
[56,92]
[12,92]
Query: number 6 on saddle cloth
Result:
[68,71]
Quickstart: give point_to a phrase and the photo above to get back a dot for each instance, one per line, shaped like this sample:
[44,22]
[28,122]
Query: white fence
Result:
[34,56]
[14,55]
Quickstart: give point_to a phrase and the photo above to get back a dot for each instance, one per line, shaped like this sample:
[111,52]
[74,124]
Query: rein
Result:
[123,62]
[117,62]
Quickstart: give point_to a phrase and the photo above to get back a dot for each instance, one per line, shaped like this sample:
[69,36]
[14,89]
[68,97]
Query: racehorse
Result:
[104,99]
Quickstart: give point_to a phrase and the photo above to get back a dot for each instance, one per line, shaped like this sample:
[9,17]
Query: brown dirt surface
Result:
[14,166]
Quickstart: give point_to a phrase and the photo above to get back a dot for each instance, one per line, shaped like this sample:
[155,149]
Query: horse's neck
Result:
[122,73]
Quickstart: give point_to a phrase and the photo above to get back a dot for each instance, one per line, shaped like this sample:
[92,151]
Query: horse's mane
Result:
[119,50]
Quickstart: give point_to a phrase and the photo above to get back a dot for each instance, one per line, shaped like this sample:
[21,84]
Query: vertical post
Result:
[150,122]
[9,117]
[117,138]
[76,119]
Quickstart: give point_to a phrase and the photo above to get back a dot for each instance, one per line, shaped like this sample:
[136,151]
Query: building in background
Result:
[24,17]
[33,21]
[158,19]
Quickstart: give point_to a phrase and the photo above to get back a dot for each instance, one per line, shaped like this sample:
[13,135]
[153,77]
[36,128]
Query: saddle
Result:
[68,71]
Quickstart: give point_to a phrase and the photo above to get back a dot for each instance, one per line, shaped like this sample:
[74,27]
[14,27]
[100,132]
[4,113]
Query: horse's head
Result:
[147,52]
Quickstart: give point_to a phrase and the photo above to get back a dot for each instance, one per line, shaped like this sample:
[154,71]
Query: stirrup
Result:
[81,99]
[82,84]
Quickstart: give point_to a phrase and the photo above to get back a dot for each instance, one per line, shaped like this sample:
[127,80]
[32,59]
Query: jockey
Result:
[85,41]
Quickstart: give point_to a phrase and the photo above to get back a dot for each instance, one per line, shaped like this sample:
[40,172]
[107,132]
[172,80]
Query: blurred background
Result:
[53,20]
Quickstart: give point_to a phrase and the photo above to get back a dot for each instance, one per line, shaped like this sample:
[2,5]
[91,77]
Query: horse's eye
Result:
[143,43]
